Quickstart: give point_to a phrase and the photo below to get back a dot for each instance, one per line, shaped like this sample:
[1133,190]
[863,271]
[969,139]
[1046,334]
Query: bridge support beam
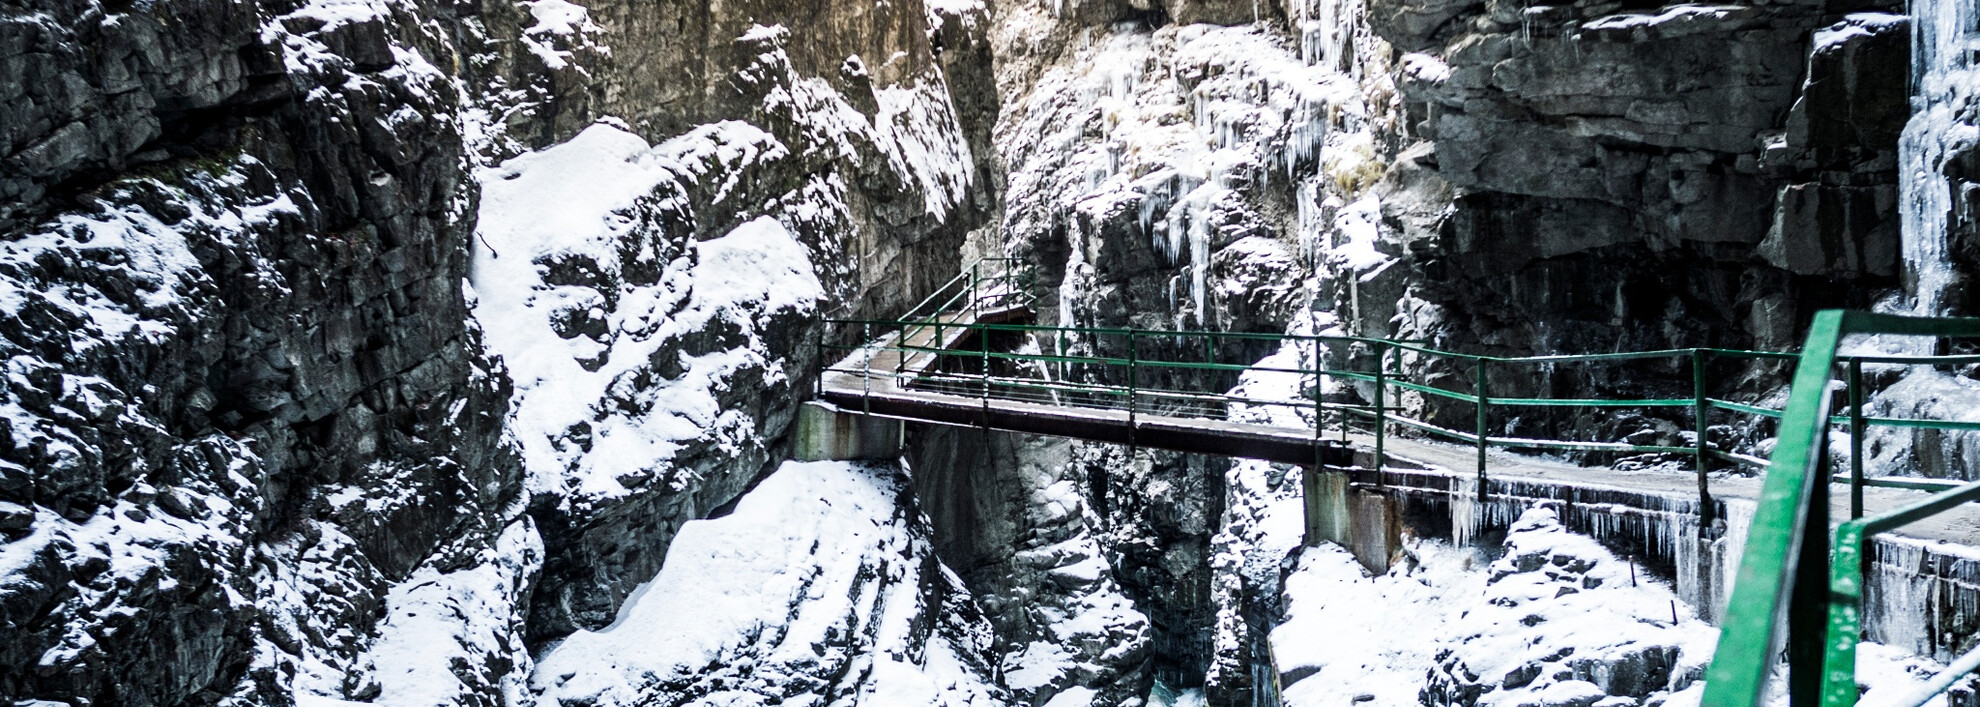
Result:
[1367,522]
[826,432]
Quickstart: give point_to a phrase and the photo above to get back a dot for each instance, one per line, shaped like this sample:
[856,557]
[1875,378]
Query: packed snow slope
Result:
[1556,620]
[819,588]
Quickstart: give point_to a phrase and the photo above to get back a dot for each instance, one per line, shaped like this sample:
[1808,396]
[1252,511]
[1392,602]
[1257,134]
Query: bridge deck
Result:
[1296,446]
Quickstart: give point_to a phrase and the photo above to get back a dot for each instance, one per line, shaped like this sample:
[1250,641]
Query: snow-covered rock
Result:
[1008,514]
[820,588]
[1562,621]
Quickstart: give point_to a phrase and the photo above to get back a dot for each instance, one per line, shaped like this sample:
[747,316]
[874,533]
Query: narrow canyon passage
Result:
[422,353]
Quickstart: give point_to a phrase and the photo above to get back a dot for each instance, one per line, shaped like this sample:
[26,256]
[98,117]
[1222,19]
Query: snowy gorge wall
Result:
[370,350]
[332,376]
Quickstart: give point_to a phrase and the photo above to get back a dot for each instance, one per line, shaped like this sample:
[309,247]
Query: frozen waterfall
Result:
[1943,85]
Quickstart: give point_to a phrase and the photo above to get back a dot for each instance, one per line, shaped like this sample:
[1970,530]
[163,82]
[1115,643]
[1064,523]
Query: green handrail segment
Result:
[1378,415]
[1846,574]
[1786,566]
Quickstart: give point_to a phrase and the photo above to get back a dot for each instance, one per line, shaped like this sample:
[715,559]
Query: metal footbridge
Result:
[970,356]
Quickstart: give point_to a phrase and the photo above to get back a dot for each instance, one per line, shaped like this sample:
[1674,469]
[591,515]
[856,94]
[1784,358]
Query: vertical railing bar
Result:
[1856,429]
[866,379]
[1381,407]
[1808,595]
[983,335]
[1347,417]
[1317,410]
[1701,412]
[1132,373]
[1484,411]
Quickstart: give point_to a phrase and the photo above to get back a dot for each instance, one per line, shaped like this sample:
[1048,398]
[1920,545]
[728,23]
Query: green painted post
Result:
[1701,417]
[1845,615]
[901,343]
[1316,409]
[1346,417]
[1781,522]
[1808,597]
[1484,411]
[1856,429]
[1381,407]
[1132,372]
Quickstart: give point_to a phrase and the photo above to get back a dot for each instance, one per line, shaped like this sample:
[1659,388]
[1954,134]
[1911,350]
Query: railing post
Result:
[1317,410]
[1808,594]
[1701,417]
[1059,350]
[1346,416]
[1856,429]
[866,378]
[1381,407]
[983,335]
[1484,411]
[1131,387]
[902,342]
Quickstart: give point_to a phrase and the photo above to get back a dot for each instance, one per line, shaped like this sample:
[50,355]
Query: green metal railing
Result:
[1787,571]
[1131,376]
[1786,574]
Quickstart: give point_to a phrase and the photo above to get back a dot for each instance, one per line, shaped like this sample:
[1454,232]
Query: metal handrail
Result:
[1700,402]
[1786,572]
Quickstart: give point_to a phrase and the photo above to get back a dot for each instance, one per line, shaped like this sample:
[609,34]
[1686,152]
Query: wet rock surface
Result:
[256,446]
[1715,173]
[1012,515]
[245,403]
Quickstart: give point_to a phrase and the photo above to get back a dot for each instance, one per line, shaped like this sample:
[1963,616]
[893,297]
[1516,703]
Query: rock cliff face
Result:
[258,447]
[245,403]
[365,349]
[1684,175]
[1495,178]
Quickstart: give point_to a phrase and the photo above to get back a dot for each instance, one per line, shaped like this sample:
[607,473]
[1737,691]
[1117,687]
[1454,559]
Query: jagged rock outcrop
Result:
[245,403]
[1634,178]
[657,377]
[1011,514]
[820,587]
[1562,622]
[255,447]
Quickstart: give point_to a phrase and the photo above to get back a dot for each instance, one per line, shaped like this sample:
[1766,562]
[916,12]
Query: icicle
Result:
[1464,510]
[1728,550]
[1943,85]
[1898,597]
